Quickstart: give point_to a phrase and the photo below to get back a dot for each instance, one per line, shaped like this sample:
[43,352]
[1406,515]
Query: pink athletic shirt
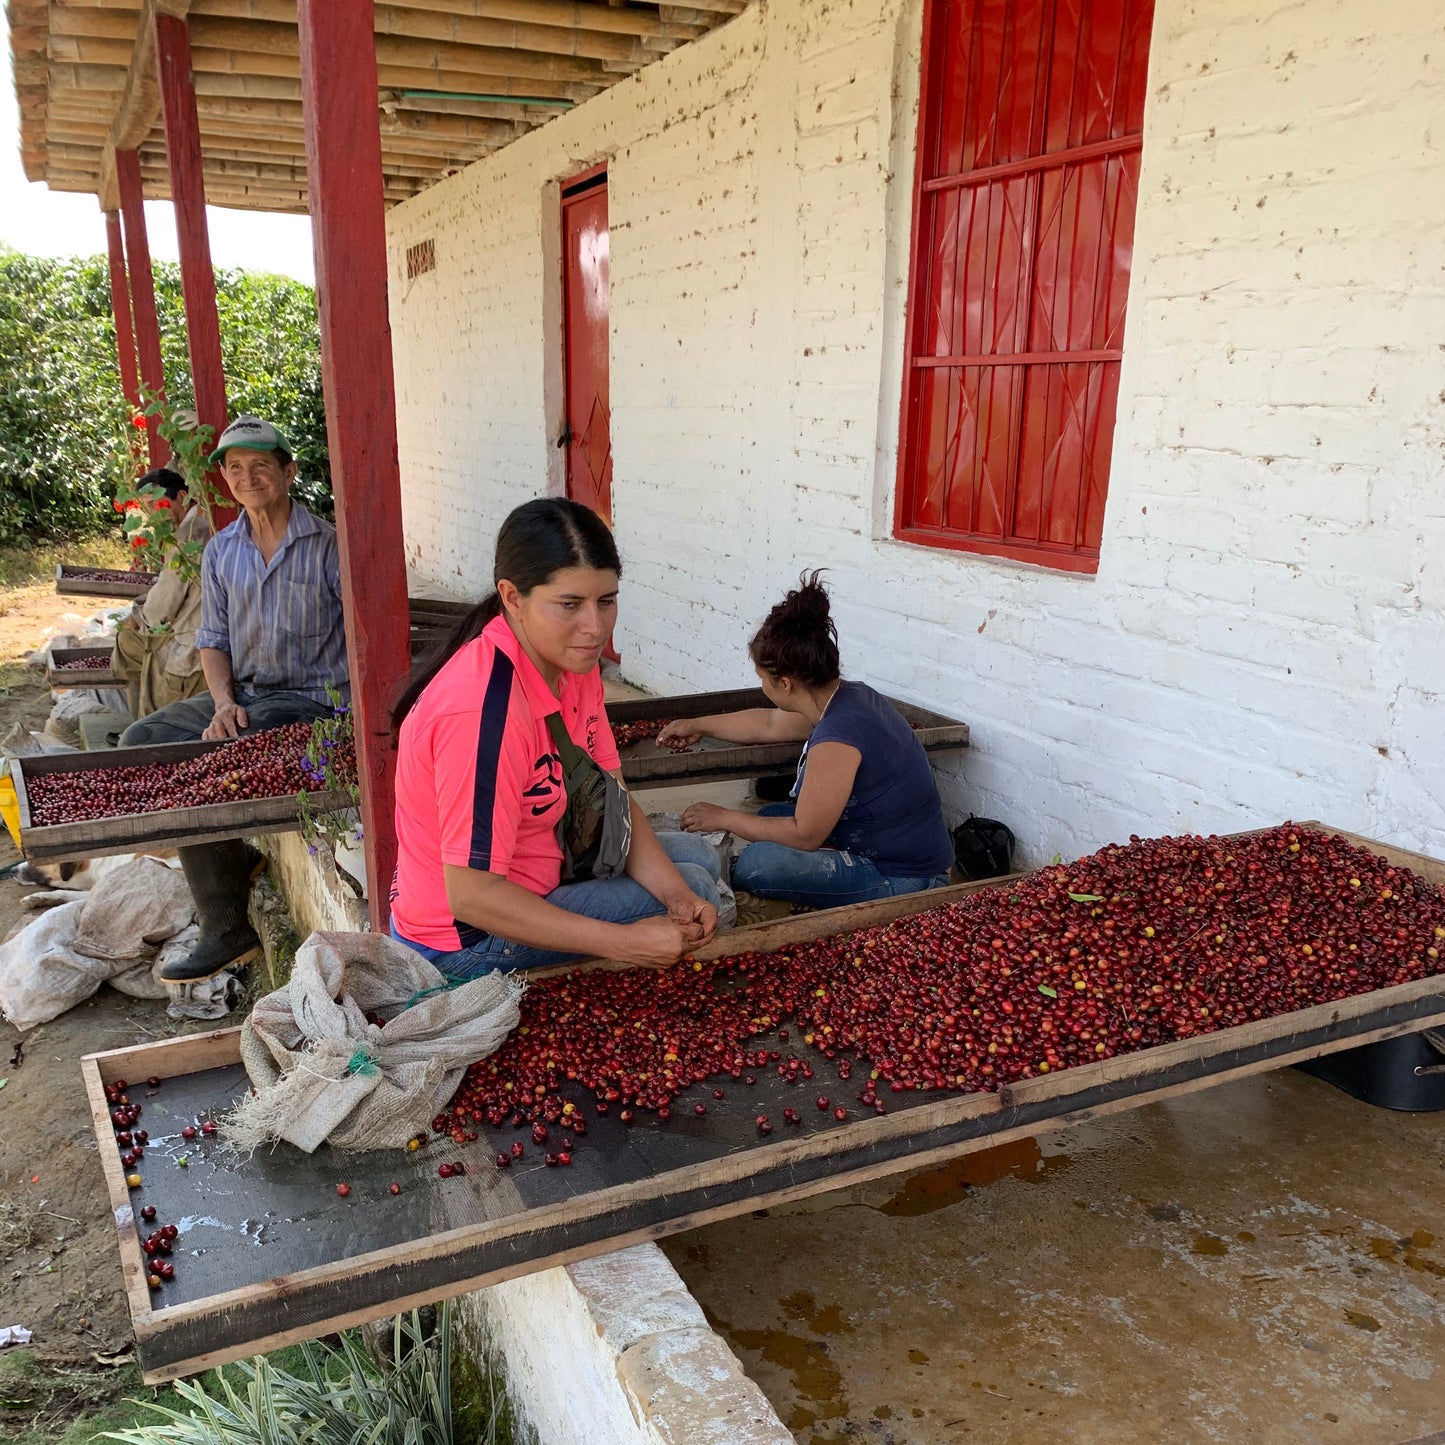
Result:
[479,780]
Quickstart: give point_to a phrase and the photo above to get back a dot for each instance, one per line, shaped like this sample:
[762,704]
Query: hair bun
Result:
[798,638]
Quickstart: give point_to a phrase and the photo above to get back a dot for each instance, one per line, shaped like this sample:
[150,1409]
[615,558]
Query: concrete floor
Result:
[1259,1262]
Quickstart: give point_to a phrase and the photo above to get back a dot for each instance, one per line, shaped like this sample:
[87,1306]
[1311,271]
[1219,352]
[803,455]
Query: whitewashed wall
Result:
[1266,634]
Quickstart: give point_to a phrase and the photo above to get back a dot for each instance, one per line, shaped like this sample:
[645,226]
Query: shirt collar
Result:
[540,698]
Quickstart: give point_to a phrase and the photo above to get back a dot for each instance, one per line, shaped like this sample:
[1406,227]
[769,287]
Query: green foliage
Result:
[65,432]
[336,1396]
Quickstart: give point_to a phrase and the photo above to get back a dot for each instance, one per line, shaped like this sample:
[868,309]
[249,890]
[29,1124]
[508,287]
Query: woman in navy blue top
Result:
[865,821]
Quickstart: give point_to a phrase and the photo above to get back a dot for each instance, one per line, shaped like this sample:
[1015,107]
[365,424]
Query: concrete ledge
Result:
[615,1351]
[311,886]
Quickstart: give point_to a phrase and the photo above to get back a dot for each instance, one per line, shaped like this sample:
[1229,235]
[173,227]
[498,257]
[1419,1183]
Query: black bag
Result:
[596,828]
[983,848]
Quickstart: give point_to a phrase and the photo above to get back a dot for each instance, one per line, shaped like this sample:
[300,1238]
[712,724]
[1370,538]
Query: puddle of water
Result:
[1407,1252]
[816,1378]
[938,1188]
[828,1320]
[1209,1244]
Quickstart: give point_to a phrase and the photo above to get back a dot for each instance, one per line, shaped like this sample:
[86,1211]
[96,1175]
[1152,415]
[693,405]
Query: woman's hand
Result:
[656,942]
[704,818]
[686,732]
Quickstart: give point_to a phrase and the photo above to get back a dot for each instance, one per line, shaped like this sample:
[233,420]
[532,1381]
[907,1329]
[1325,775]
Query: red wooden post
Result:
[143,293]
[188,196]
[120,308]
[343,165]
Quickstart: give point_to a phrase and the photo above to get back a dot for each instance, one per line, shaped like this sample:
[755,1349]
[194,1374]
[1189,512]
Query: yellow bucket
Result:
[10,808]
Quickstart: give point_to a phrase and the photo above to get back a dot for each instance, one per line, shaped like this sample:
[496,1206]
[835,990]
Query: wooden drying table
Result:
[117,584]
[646,765]
[246,818]
[55,676]
[270,1254]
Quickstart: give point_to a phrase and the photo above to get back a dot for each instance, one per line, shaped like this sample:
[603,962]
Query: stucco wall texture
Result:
[1265,637]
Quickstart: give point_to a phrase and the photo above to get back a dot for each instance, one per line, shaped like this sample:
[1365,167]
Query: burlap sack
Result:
[322,1074]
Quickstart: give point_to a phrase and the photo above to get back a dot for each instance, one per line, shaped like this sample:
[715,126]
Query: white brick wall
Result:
[1266,634]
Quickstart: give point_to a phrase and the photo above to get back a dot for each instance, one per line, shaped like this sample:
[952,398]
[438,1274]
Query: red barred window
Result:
[1030,128]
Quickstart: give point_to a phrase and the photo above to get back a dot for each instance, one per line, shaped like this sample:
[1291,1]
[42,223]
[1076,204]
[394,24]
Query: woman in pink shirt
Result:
[479,790]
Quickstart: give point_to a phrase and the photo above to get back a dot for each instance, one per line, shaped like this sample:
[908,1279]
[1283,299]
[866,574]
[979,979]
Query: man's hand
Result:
[230,718]
[697,918]
[704,818]
[656,942]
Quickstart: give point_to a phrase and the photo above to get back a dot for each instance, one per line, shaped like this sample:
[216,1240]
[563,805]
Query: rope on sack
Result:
[452,980]
[363,1063]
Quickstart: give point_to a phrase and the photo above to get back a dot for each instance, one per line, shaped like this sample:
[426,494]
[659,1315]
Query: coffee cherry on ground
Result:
[564,1157]
[188,1131]
[133,1181]
[147,1211]
[154,1281]
[503,1161]
[208,1127]
[517,1150]
[840,1113]
[445,1170]
[394,1188]
[343,1190]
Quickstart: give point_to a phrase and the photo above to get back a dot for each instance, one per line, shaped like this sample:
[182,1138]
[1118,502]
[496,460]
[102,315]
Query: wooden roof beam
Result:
[634,20]
[214,26]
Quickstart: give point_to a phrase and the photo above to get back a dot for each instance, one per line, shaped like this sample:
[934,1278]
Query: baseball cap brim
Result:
[250,443]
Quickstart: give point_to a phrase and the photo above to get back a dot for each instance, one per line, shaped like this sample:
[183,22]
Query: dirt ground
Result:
[61,1272]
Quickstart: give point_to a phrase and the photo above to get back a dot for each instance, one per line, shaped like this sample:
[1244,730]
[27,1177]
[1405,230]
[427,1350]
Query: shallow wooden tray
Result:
[270,1254]
[125,584]
[132,832]
[646,764]
[85,677]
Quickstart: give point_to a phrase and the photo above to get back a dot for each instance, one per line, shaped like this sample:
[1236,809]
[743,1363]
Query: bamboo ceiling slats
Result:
[85,82]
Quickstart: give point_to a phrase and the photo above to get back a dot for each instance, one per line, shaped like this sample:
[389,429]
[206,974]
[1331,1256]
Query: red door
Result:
[584,283]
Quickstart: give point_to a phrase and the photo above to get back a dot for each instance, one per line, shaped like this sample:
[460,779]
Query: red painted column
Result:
[343,164]
[188,196]
[120,308]
[143,292]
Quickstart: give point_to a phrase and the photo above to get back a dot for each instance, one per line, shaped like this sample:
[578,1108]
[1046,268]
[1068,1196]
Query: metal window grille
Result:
[1030,132]
[421,258]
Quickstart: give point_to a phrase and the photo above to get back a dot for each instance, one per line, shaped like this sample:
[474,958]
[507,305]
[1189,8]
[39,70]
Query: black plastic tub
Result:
[1407,1073]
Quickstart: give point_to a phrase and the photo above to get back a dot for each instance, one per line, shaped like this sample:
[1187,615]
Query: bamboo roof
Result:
[457,79]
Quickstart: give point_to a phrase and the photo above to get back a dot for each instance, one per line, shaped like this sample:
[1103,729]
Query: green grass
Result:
[20,566]
[44,1404]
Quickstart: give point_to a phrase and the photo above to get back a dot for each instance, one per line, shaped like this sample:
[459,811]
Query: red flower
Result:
[137,542]
[138,422]
[118,505]
[163,502]
[132,505]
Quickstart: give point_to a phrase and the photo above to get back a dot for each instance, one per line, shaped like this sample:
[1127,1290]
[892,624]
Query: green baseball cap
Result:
[252,433]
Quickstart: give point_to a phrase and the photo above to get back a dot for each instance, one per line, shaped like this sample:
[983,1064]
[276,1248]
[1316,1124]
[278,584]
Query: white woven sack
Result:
[322,1074]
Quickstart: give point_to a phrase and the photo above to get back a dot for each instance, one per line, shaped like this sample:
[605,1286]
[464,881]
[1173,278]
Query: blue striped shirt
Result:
[279,621]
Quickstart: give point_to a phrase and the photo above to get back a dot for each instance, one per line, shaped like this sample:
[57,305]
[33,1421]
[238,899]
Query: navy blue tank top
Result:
[893,816]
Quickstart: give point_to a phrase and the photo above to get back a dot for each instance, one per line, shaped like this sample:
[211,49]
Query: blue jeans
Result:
[826,878]
[183,722]
[612,900]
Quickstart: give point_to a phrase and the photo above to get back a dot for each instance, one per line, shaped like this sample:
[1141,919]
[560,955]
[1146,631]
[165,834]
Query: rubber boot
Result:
[220,878]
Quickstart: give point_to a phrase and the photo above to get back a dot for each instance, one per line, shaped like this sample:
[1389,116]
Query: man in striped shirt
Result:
[271,643]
